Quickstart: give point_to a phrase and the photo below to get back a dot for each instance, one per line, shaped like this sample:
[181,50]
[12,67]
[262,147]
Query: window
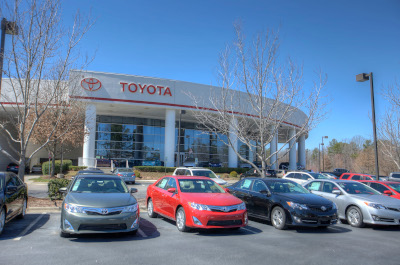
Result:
[259,186]
[367,178]
[180,172]
[187,172]
[171,184]
[328,187]
[162,183]
[10,181]
[314,185]
[291,175]
[378,187]
[345,176]
[356,177]
[245,184]
[304,177]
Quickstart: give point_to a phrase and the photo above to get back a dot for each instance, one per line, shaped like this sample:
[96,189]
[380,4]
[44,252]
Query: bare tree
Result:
[258,93]
[37,65]
[389,126]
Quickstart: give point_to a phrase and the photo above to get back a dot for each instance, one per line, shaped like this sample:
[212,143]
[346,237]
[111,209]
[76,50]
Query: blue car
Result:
[126,174]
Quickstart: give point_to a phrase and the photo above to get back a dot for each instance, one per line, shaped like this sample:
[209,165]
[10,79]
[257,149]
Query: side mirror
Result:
[337,192]
[227,190]
[133,190]
[11,189]
[265,192]
[387,192]
[172,190]
[63,190]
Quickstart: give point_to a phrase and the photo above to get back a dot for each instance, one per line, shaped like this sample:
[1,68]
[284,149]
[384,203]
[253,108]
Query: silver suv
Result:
[199,171]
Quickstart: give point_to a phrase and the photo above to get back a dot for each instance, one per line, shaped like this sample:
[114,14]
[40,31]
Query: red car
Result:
[195,202]
[356,176]
[390,188]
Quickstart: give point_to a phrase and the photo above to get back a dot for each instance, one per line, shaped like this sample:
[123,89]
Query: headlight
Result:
[73,208]
[375,205]
[130,208]
[242,206]
[297,206]
[200,207]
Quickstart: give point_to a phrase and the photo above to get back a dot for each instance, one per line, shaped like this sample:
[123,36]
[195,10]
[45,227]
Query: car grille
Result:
[317,208]
[223,209]
[393,209]
[106,227]
[224,223]
[103,211]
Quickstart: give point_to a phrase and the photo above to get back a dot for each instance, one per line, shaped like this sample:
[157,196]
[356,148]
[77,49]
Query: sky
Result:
[181,40]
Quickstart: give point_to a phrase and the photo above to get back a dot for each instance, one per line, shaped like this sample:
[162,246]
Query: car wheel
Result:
[278,218]
[181,220]
[133,182]
[323,227]
[133,233]
[354,217]
[22,214]
[2,220]
[150,209]
[64,235]
[234,228]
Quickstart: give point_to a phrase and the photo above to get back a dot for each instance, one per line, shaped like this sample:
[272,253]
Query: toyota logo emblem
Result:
[104,211]
[225,209]
[323,208]
[91,84]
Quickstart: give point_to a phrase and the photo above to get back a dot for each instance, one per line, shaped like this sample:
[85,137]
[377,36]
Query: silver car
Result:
[357,203]
[127,174]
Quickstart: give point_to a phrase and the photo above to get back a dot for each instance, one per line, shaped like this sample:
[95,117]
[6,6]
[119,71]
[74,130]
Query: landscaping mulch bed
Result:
[43,202]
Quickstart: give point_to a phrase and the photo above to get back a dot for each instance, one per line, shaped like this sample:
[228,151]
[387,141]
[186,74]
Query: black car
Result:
[13,198]
[253,173]
[12,167]
[284,202]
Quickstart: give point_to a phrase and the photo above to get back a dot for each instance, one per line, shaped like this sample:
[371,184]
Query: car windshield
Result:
[318,176]
[395,186]
[99,185]
[357,188]
[125,170]
[204,173]
[199,186]
[285,187]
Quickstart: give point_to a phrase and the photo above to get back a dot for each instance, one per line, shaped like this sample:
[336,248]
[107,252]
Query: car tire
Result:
[234,228]
[133,233]
[323,226]
[22,214]
[64,234]
[181,220]
[133,182]
[150,209]
[278,218]
[2,220]
[354,217]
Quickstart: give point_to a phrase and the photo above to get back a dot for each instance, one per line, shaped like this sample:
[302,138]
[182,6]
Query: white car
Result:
[302,177]
[198,171]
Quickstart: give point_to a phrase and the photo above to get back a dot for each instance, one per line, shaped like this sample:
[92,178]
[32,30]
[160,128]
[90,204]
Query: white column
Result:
[233,159]
[292,150]
[89,140]
[273,147]
[302,150]
[169,143]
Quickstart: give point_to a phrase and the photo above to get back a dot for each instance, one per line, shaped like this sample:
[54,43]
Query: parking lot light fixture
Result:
[362,78]
[10,28]
[323,159]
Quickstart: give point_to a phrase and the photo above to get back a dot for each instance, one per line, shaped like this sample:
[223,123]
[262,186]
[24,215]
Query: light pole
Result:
[323,159]
[361,78]
[319,157]
[7,27]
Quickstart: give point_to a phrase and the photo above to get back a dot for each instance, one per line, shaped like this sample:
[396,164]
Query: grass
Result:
[41,179]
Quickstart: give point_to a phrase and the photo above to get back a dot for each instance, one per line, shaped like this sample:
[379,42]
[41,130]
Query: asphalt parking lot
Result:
[36,240]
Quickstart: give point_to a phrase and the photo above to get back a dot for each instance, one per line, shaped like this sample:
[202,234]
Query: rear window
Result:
[345,176]
[396,176]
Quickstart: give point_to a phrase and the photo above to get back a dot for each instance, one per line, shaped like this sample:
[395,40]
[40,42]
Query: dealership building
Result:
[150,121]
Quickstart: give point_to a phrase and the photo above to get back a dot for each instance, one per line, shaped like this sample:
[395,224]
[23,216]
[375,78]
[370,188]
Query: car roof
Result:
[380,181]
[187,177]
[196,168]
[97,175]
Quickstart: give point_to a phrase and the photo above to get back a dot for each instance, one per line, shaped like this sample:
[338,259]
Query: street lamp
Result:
[319,157]
[7,27]
[323,159]
[361,78]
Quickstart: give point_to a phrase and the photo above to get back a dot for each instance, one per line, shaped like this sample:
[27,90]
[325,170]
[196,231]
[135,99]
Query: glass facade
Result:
[141,142]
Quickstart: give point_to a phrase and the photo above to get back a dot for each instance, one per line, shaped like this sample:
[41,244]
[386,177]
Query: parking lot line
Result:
[29,227]
[141,233]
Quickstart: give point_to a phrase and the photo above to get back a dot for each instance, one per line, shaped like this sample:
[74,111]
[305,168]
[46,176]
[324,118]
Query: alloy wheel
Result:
[277,217]
[354,217]
[180,220]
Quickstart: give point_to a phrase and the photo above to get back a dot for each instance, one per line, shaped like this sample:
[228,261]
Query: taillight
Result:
[119,174]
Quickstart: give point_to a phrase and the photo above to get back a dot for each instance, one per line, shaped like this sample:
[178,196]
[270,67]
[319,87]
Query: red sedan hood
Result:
[216,199]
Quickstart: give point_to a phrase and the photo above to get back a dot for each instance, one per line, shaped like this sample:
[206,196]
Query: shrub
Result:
[76,168]
[233,174]
[54,186]
[66,165]
[228,169]
[137,173]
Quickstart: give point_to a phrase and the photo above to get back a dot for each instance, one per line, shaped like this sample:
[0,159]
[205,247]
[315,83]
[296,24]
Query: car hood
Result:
[220,181]
[304,198]
[215,199]
[381,199]
[100,199]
